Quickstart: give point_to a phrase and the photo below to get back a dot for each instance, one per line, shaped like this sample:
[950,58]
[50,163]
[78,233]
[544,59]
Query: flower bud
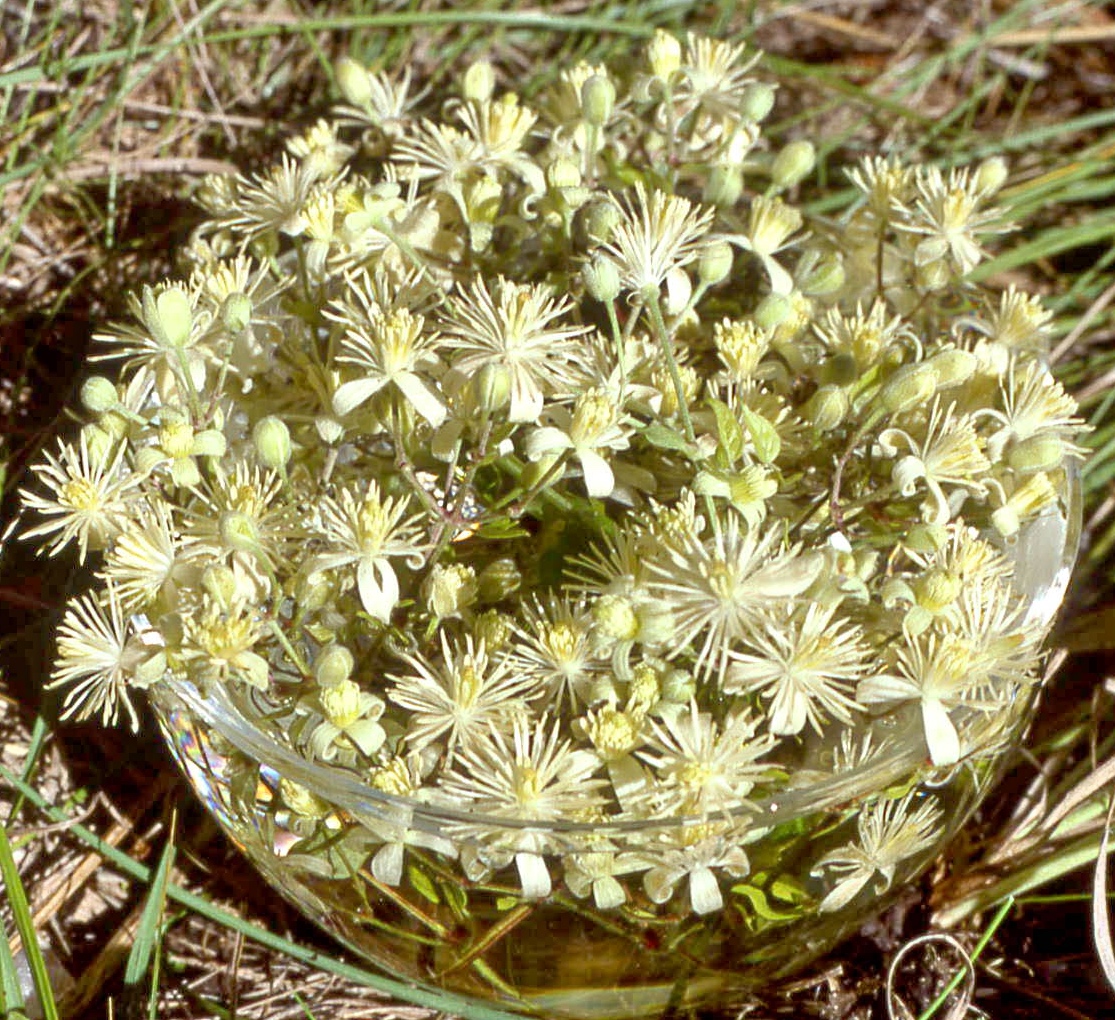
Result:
[724,185]
[926,538]
[499,579]
[827,408]
[933,275]
[601,220]
[450,589]
[354,82]
[272,442]
[236,312]
[826,277]
[715,263]
[333,665]
[756,101]
[170,316]
[602,280]
[679,289]
[598,99]
[492,387]
[1041,452]
[773,310]
[840,369]
[937,589]
[793,164]
[664,55]
[909,386]
[991,175]
[493,628]
[953,366]
[98,394]
[479,81]
[219,582]
[615,618]
[330,430]
[99,442]
[678,686]
[238,531]
[563,173]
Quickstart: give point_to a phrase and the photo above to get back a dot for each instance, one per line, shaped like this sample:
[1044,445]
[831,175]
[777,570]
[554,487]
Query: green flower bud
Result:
[479,81]
[100,443]
[450,589]
[714,263]
[169,315]
[824,278]
[499,579]
[664,55]
[272,442]
[827,408]
[723,186]
[493,628]
[773,310]
[99,395]
[492,387]
[793,164]
[679,290]
[927,538]
[219,582]
[756,101]
[354,82]
[602,279]
[1041,452]
[236,312]
[333,665]
[937,589]
[909,386]
[953,367]
[601,220]
[563,173]
[238,531]
[840,369]
[991,175]
[933,275]
[598,99]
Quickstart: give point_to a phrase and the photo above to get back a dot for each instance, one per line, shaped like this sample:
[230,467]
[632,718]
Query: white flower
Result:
[595,424]
[656,234]
[460,698]
[142,563]
[370,531]
[388,348]
[717,586]
[517,328]
[533,777]
[100,656]
[888,835]
[89,498]
[694,852]
[804,662]
[770,229]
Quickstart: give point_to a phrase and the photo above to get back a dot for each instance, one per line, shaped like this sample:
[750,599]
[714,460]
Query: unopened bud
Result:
[827,408]
[602,280]
[773,310]
[563,173]
[953,366]
[1037,453]
[479,81]
[679,291]
[756,101]
[98,394]
[493,628]
[991,175]
[664,55]
[793,164]
[492,387]
[601,220]
[236,312]
[933,275]
[715,263]
[724,185]
[824,278]
[598,99]
[219,582]
[615,618]
[354,82]
[333,665]
[272,442]
[100,443]
[926,538]
[450,589]
[499,579]
[909,386]
[238,531]
[172,316]
[839,369]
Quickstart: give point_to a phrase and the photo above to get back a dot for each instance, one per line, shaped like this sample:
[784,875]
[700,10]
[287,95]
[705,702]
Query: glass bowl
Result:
[566,919]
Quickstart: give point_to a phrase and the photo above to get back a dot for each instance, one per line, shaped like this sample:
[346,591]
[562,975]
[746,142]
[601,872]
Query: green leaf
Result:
[666,438]
[150,931]
[423,884]
[764,436]
[761,906]
[25,925]
[728,429]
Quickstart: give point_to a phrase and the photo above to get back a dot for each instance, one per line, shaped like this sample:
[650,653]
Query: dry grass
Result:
[110,111]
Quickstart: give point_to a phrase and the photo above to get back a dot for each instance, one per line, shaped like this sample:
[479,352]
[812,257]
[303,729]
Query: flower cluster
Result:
[548,462]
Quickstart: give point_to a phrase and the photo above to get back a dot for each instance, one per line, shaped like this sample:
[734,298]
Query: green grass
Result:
[90,111]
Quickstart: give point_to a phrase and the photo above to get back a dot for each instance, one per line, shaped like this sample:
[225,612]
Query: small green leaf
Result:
[666,438]
[423,884]
[728,429]
[764,436]
[761,905]
[507,902]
